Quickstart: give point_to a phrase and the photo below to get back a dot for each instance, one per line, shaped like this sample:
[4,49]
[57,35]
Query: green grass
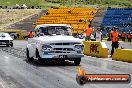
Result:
[69,3]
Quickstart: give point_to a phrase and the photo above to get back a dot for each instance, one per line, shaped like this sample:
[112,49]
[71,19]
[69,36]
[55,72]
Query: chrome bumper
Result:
[5,43]
[61,55]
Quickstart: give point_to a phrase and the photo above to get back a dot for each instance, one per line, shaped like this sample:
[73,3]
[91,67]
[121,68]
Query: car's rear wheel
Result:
[28,57]
[77,61]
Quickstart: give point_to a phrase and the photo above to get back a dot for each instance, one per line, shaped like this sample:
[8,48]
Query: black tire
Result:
[11,44]
[77,61]
[40,60]
[27,54]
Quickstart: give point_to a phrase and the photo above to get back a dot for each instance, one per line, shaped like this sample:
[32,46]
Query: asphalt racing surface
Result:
[16,72]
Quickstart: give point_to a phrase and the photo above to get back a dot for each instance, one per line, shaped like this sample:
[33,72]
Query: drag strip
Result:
[16,72]
[15,52]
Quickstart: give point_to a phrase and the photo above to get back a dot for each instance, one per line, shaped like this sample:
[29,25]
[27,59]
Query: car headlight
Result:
[46,48]
[79,47]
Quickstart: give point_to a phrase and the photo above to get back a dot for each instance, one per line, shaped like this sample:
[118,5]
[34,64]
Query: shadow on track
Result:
[50,63]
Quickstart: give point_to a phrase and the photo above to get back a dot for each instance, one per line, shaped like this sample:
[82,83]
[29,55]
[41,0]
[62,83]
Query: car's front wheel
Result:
[28,57]
[11,44]
[40,60]
[77,61]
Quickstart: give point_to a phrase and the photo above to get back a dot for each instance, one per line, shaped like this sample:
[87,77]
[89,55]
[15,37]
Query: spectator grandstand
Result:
[120,17]
[78,18]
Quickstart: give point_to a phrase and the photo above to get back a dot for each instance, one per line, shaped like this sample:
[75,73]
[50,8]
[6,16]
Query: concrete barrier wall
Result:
[95,48]
[123,55]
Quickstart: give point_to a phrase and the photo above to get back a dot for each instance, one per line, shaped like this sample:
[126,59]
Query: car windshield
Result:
[56,30]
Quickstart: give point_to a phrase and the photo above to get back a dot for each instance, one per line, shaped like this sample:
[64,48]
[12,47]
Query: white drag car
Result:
[5,39]
[54,42]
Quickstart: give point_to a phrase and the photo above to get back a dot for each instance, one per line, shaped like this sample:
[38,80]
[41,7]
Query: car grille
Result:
[63,47]
[63,43]
[63,50]
[5,41]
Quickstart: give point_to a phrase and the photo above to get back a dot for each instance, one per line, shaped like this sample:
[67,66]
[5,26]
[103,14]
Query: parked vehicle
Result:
[5,39]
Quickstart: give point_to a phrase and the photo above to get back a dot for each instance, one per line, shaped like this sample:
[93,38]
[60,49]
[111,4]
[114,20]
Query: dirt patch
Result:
[8,16]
